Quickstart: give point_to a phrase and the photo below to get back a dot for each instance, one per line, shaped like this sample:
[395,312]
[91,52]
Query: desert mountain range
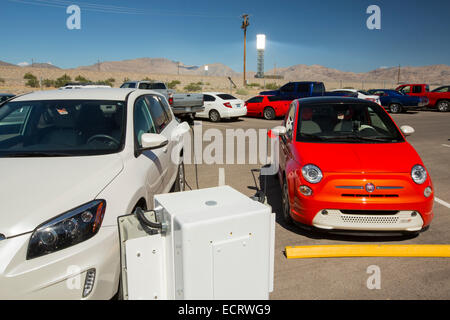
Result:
[433,74]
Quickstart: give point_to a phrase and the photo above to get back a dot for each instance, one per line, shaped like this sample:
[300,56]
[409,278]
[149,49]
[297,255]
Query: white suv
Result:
[71,162]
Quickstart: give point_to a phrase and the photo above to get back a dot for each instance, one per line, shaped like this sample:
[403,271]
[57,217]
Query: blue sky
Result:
[327,32]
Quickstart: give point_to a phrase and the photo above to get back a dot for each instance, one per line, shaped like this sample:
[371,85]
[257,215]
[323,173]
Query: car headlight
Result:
[312,173]
[68,229]
[419,174]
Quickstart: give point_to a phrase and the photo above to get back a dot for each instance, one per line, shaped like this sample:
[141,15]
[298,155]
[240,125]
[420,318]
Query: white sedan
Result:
[360,94]
[71,162]
[222,106]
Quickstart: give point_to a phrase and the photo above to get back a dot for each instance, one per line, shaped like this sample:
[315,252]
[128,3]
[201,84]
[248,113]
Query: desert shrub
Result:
[348,88]
[48,83]
[2,80]
[272,86]
[147,79]
[107,82]
[242,92]
[173,84]
[32,81]
[62,81]
[257,85]
[82,79]
[126,79]
[193,87]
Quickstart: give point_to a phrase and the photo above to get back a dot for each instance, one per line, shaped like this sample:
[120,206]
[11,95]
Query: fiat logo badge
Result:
[370,187]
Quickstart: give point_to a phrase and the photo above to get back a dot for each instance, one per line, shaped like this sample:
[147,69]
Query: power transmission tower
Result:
[244,26]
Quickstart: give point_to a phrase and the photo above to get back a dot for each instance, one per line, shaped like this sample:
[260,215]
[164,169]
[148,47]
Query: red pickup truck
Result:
[438,98]
[269,107]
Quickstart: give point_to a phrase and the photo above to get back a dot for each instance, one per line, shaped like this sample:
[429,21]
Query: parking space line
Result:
[446,145]
[442,202]
[221,177]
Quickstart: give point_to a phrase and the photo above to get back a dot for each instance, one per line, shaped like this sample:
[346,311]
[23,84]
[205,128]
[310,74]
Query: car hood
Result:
[359,158]
[34,190]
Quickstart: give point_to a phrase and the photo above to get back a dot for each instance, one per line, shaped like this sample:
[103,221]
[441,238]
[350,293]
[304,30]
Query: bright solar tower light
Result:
[260,46]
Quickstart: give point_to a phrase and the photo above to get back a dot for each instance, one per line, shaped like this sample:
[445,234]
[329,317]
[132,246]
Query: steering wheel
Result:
[367,130]
[102,136]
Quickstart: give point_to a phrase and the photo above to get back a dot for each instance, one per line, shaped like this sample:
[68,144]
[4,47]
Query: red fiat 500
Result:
[268,107]
[345,165]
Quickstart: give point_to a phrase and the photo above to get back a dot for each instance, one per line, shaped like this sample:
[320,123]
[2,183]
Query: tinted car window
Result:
[303,88]
[152,86]
[166,108]
[289,87]
[129,85]
[256,100]
[318,89]
[417,89]
[225,96]
[159,116]
[143,122]
[208,98]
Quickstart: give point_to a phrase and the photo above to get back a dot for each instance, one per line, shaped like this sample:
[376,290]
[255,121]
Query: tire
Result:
[395,108]
[285,204]
[269,113]
[443,106]
[180,180]
[214,116]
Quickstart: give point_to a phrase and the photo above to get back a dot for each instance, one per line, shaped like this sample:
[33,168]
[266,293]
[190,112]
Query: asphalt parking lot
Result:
[346,278]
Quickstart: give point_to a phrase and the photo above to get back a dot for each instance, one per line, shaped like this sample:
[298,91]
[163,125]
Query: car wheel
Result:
[395,108]
[214,116]
[443,106]
[269,113]
[180,181]
[286,206]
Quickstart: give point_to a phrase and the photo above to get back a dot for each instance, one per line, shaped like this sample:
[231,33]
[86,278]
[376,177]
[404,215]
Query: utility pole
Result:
[244,26]
[98,64]
[398,76]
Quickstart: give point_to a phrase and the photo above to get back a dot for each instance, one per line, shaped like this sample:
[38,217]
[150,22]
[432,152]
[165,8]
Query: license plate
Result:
[238,106]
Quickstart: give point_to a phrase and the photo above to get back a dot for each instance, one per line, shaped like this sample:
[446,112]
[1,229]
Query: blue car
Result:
[397,102]
[298,90]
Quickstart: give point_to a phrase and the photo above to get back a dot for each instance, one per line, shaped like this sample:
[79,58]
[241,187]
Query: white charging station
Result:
[215,244]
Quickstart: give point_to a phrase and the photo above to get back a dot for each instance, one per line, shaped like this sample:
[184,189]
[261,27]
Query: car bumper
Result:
[396,205]
[235,112]
[187,110]
[60,275]
[408,221]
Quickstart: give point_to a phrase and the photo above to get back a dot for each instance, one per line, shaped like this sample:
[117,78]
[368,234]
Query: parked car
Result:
[437,99]
[396,102]
[360,94]
[269,107]
[76,161]
[345,165]
[76,85]
[297,90]
[219,105]
[5,96]
[183,104]
[442,89]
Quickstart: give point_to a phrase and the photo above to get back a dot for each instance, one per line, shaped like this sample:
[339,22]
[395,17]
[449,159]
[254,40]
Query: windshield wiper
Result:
[312,136]
[30,154]
[360,138]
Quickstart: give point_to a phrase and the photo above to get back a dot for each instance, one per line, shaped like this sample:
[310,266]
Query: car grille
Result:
[369,219]
[357,195]
[371,212]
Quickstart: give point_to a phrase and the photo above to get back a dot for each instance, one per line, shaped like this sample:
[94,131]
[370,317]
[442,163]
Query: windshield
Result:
[346,123]
[61,128]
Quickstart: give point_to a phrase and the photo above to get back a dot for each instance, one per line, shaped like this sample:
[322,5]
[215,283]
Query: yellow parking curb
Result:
[302,252]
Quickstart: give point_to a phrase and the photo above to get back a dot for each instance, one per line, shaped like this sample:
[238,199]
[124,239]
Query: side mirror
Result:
[153,141]
[278,131]
[407,130]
